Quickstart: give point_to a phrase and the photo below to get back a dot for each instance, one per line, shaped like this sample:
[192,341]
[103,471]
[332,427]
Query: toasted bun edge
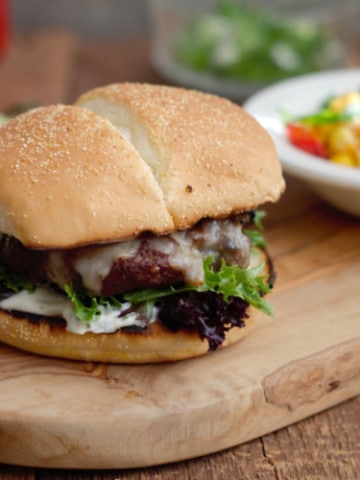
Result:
[157,345]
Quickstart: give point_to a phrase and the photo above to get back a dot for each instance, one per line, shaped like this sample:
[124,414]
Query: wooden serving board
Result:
[64,414]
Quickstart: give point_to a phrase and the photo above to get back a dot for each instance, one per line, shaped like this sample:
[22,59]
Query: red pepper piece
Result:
[302,137]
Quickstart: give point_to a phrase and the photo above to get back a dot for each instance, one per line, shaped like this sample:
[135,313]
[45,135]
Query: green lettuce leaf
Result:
[229,281]
[326,116]
[87,308]
[255,234]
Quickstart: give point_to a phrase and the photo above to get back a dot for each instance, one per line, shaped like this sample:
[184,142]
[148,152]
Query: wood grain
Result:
[108,416]
[322,447]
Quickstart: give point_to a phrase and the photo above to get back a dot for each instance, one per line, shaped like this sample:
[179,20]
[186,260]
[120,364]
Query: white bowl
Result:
[339,185]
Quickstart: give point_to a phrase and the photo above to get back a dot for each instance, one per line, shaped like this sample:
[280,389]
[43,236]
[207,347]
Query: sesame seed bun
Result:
[130,158]
[68,177]
[126,159]
[194,142]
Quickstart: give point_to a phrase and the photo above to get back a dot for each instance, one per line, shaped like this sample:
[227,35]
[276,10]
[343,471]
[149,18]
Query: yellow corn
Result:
[357,157]
[345,159]
[340,103]
[341,138]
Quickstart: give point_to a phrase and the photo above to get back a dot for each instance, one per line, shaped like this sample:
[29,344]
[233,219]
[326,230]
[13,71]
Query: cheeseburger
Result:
[129,225]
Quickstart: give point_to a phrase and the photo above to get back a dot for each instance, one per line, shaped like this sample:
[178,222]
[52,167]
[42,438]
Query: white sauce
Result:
[44,301]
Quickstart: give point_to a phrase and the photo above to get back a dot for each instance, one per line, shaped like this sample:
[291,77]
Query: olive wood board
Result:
[68,414]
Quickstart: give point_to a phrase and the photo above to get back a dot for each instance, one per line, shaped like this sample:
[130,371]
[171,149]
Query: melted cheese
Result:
[181,248]
[96,264]
[182,256]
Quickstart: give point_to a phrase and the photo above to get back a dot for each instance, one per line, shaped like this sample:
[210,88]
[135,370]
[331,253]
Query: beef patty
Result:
[144,262]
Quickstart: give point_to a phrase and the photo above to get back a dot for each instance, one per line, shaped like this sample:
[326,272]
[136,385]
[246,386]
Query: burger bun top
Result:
[129,158]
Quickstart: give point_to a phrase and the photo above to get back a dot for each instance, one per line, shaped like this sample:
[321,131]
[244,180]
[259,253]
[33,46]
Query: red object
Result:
[302,137]
[4,26]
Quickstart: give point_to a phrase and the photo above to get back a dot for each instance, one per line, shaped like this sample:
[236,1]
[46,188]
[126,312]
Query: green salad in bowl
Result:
[235,40]
[233,48]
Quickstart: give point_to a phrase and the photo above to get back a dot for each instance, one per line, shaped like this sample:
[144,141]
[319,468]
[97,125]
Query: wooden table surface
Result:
[49,67]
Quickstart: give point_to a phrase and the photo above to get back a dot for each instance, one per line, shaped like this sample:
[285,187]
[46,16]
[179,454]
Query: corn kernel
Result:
[340,103]
[357,157]
[344,159]
[341,138]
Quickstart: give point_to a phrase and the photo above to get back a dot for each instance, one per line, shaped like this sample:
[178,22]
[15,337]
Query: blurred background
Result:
[229,47]
[98,18]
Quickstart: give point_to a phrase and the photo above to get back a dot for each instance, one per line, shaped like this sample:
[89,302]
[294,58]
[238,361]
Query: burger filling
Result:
[198,279]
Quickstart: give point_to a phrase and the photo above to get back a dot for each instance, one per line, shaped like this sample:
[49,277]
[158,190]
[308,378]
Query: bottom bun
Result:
[156,344]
